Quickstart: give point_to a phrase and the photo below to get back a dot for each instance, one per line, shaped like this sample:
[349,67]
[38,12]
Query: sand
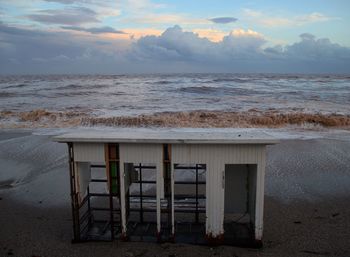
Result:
[307,211]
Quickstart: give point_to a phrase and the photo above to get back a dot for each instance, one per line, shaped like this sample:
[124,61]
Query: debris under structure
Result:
[201,187]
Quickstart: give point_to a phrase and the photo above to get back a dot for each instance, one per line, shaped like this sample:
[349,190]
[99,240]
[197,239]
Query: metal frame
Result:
[187,231]
[141,210]
[83,210]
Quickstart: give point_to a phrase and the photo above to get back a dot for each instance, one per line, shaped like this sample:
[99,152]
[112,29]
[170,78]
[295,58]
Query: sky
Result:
[146,36]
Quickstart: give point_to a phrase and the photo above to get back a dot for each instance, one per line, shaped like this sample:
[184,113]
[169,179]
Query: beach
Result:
[306,200]
[156,128]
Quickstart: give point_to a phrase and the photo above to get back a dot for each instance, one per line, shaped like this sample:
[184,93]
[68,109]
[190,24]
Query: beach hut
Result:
[203,187]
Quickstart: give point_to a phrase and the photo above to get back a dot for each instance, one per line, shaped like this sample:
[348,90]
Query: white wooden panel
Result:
[89,152]
[143,153]
[232,154]
[83,173]
[215,157]
[259,205]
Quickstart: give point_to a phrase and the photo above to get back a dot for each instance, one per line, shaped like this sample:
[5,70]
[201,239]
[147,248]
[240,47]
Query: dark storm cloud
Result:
[67,16]
[24,44]
[223,20]
[310,48]
[176,44]
[17,31]
[245,52]
[32,51]
[94,30]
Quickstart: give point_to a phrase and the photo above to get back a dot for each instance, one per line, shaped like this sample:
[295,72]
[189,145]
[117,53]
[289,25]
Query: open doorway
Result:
[141,201]
[189,202]
[239,210]
[97,211]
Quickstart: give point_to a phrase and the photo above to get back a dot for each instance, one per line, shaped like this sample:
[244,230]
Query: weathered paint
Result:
[142,153]
[213,150]
[212,136]
[83,176]
[214,240]
[215,157]
[89,152]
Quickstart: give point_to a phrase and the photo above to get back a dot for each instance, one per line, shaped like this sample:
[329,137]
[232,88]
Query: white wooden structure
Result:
[234,180]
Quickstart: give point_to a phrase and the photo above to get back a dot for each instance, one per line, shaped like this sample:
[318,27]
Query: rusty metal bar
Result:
[141,194]
[197,214]
[74,197]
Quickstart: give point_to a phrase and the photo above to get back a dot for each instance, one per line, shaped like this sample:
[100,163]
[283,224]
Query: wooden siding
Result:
[89,152]
[215,157]
[142,153]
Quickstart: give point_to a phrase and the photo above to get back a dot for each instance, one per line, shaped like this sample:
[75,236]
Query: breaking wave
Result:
[201,100]
[205,119]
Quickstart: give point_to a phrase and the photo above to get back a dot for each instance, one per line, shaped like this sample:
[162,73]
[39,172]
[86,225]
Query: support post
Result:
[89,206]
[197,213]
[111,203]
[112,170]
[167,183]
[74,194]
[141,194]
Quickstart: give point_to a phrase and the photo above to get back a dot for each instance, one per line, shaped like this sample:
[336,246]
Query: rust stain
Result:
[124,237]
[159,237]
[214,240]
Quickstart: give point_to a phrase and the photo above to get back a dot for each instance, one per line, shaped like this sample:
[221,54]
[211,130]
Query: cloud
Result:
[24,50]
[223,20]
[176,44]
[169,19]
[148,12]
[142,5]
[272,20]
[242,51]
[94,30]
[213,35]
[62,1]
[17,31]
[66,16]
[73,1]
[313,17]
[37,51]
[310,48]
[172,44]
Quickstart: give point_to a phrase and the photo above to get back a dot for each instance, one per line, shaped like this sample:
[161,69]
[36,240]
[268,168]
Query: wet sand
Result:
[306,203]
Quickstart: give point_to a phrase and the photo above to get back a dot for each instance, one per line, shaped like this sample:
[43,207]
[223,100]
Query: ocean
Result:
[103,96]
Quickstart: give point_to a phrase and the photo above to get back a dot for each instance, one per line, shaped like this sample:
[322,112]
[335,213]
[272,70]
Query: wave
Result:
[7,94]
[17,86]
[162,82]
[237,80]
[69,86]
[75,93]
[205,119]
[40,118]
[198,90]
[221,119]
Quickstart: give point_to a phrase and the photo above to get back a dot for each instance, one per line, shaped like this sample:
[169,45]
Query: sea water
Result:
[132,95]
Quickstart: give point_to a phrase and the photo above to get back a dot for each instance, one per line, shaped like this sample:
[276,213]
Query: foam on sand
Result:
[253,118]
[24,158]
